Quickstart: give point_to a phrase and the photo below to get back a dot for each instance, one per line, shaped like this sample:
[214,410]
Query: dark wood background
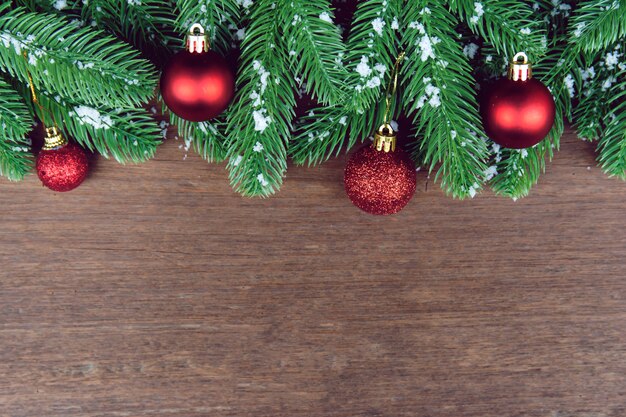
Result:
[154,290]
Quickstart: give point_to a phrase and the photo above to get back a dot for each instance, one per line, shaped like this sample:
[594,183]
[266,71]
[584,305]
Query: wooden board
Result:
[154,290]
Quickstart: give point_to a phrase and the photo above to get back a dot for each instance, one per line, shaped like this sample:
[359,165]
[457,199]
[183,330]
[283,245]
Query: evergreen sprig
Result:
[599,36]
[597,24]
[126,134]
[372,48]
[612,144]
[438,92]
[76,63]
[316,49]
[510,26]
[259,123]
[148,24]
[513,172]
[15,122]
[207,138]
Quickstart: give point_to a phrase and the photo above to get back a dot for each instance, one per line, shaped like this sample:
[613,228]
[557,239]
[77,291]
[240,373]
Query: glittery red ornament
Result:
[61,166]
[517,112]
[197,84]
[380,182]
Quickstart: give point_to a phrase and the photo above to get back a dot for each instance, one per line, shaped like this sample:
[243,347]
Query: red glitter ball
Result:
[380,182]
[62,169]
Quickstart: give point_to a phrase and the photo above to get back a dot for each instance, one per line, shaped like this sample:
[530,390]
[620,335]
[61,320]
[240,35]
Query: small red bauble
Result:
[197,84]
[380,182]
[61,166]
[518,111]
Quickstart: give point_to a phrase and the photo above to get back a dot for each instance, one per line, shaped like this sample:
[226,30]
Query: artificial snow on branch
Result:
[76,63]
[439,93]
[372,47]
[259,121]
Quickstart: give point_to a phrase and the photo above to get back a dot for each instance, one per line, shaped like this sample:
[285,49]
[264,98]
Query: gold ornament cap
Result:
[520,69]
[53,140]
[197,40]
[385,138]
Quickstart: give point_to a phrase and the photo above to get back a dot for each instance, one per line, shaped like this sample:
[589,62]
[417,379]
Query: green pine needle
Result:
[597,24]
[77,63]
[15,122]
[612,145]
[259,124]
[126,134]
[316,49]
[511,26]
[327,130]
[206,137]
[438,92]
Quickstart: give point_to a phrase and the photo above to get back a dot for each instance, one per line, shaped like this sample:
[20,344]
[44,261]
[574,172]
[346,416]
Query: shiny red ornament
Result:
[518,111]
[61,166]
[197,84]
[380,182]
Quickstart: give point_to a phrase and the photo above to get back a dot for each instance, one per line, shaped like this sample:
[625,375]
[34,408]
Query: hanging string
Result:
[34,95]
[392,87]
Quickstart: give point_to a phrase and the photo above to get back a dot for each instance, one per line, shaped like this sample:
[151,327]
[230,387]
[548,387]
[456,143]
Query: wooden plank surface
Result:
[154,290]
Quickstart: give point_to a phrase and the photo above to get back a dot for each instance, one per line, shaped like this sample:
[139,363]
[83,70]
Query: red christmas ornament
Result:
[61,166]
[197,84]
[380,179]
[518,111]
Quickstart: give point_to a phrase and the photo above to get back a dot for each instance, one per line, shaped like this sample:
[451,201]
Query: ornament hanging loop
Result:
[392,87]
[197,39]
[33,94]
[520,69]
[385,136]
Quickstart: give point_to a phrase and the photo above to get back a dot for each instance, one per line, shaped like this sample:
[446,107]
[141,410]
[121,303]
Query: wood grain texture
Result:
[154,290]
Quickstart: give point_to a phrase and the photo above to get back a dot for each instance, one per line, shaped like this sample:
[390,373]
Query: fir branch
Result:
[510,26]
[324,132]
[316,49]
[612,144]
[15,158]
[15,118]
[596,24]
[556,14]
[367,62]
[259,124]
[219,18]
[77,63]
[126,134]
[328,129]
[145,24]
[594,81]
[206,137]
[16,122]
[589,115]
[438,92]
[148,25]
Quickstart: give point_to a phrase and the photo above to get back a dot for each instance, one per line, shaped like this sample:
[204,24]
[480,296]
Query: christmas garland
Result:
[88,70]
